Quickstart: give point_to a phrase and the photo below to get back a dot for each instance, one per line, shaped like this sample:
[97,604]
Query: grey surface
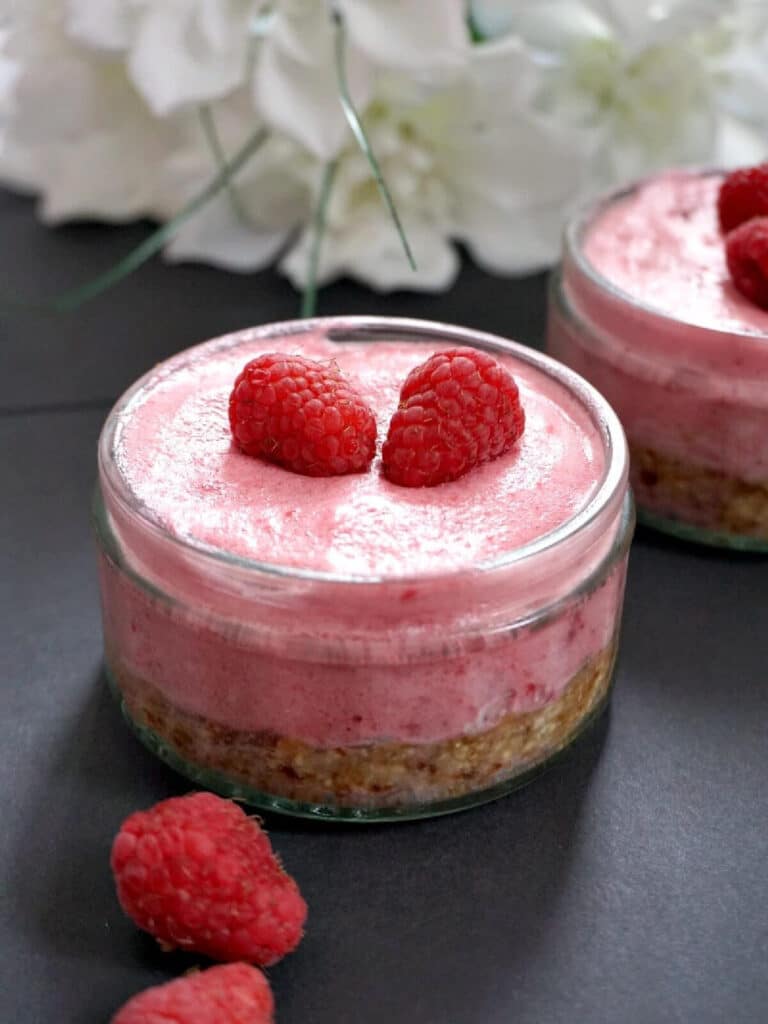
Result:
[627,885]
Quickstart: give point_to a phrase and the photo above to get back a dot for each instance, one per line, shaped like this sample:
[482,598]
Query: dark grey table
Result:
[627,885]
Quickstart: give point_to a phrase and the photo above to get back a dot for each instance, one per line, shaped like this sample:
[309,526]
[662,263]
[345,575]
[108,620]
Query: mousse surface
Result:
[174,451]
[662,245]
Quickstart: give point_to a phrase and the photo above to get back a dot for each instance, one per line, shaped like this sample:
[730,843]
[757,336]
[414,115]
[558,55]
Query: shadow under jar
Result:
[362,695]
[643,307]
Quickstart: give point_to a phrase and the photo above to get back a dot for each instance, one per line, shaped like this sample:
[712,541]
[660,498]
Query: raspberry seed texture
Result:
[302,415]
[457,410]
[198,874]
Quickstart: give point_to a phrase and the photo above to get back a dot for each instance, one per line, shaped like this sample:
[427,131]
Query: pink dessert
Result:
[343,645]
[645,309]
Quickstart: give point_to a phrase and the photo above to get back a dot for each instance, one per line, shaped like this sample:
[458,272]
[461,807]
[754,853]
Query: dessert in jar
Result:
[651,305]
[357,646]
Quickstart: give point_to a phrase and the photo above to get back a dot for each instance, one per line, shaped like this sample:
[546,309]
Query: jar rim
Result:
[608,493]
[573,252]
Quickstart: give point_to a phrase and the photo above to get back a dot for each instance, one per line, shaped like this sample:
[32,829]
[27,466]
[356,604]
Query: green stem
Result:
[356,124]
[319,221]
[70,300]
[475,33]
[210,131]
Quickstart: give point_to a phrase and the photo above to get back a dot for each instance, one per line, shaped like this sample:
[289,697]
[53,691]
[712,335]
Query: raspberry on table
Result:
[198,874]
[228,994]
[457,410]
[743,195]
[746,253]
[302,415]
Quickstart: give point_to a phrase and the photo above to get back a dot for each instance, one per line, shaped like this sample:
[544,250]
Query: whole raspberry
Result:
[198,874]
[303,415]
[743,195]
[229,994]
[457,410]
[746,252]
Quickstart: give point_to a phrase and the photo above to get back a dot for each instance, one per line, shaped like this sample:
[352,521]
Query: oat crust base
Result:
[701,497]
[376,775]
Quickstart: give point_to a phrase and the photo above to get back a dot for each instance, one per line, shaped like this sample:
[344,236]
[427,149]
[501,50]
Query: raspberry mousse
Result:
[646,309]
[342,645]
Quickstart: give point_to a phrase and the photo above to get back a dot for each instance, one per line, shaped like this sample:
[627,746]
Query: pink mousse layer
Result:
[455,687]
[318,673]
[175,452]
[677,351]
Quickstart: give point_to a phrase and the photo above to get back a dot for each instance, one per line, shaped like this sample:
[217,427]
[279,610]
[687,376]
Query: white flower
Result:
[123,61]
[742,79]
[101,24]
[107,109]
[178,52]
[88,157]
[275,196]
[640,80]
[468,164]
[183,52]
[246,226]
[465,163]
[296,87]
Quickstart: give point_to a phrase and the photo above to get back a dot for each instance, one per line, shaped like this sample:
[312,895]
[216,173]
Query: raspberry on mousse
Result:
[457,410]
[743,195]
[746,251]
[302,415]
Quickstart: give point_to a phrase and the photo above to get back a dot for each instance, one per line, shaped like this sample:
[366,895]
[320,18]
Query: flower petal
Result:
[511,241]
[743,74]
[102,24]
[296,88]
[550,26]
[419,36]
[217,236]
[188,55]
[370,251]
[739,144]
[497,147]
[640,25]
[100,178]
[89,156]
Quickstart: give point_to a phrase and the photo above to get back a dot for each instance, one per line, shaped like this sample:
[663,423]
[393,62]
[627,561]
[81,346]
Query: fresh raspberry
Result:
[746,252]
[228,994]
[743,195]
[303,415]
[198,874]
[459,409]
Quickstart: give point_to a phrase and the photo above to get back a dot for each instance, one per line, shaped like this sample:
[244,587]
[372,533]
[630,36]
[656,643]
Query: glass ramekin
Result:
[515,656]
[692,399]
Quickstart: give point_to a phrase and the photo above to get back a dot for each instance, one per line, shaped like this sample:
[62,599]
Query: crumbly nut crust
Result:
[701,497]
[375,775]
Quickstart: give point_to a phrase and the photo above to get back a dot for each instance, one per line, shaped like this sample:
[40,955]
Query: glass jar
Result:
[220,663]
[692,398]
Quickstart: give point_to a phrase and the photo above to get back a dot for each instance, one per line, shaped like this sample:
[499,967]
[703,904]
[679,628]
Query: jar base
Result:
[699,535]
[697,504]
[588,696]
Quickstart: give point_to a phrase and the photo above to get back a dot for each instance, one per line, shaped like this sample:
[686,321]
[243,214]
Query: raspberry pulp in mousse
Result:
[345,645]
[646,310]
